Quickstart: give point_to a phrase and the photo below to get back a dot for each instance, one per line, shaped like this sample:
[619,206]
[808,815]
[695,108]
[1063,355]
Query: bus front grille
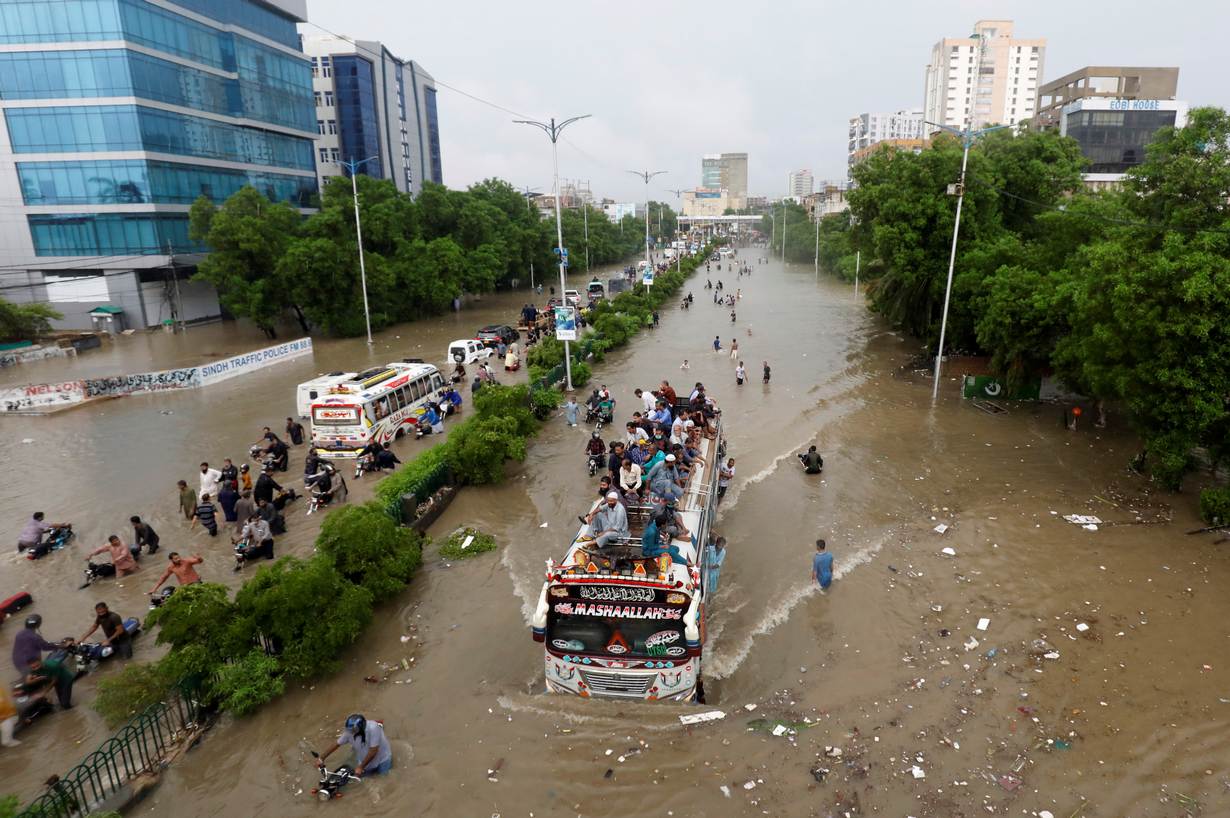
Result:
[617,684]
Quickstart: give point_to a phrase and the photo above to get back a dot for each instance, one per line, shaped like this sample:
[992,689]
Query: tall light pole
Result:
[530,204]
[647,175]
[553,131]
[353,166]
[967,138]
[783,230]
[815,212]
[585,212]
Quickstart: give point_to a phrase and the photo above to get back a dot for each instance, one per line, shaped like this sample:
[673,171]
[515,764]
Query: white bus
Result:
[309,391]
[617,624]
[379,404]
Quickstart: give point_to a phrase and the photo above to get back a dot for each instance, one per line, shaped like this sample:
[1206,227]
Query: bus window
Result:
[403,395]
[382,408]
[425,385]
[395,401]
[437,381]
[418,390]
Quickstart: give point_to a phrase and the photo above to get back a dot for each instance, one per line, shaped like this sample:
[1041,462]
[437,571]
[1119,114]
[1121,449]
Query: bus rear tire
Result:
[397,435]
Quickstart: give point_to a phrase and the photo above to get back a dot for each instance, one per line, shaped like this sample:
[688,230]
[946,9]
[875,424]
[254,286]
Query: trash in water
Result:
[780,730]
[992,652]
[819,773]
[27,440]
[609,773]
[918,772]
[494,771]
[944,631]
[700,718]
[937,608]
[1082,627]
[971,643]
[983,623]
[1052,655]
[940,529]
[749,785]
[466,542]
[749,707]
[725,790]
[544,525]
[773,725]
[952,552]
[1082,519]
[1046,813]
[1060,744]
[892,568]
[371,679]
[832,752]
[1009,782]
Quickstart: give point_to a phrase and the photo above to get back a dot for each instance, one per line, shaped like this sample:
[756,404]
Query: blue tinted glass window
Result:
[135,181]
[356,112]
[276,87]
[111,234]
[76,128]
[250,15]
[433,136]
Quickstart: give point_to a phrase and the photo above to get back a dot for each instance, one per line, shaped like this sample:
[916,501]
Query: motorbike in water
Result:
[363,465]
[157,599]
[596,462]
[95,571]
[90,654]
[332,782]
[53,540]
[14,604]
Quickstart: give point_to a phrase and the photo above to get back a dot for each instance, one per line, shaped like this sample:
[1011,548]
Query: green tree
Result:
[25,322]
[370,550]
[247,236]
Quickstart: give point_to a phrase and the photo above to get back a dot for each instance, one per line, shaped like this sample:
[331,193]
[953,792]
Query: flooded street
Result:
[892,700]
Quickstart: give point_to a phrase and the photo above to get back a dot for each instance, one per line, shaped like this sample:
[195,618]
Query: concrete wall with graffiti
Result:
[42,398]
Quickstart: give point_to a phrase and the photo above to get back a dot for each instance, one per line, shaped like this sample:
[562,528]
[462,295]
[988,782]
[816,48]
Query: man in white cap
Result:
[664,480]
[609,521]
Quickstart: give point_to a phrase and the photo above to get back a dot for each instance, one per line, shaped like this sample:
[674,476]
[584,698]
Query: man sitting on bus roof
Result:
[609,521]
[653,546]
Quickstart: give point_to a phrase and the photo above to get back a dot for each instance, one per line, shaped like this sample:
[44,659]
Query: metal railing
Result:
[138,747]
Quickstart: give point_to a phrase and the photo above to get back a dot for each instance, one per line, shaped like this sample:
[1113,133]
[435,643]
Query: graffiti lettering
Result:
[142,382]
[608,593]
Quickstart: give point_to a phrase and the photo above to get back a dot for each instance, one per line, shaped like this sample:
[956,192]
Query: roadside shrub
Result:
[545,401]
[544,356]
[200,615]
[122,695]
[507,402]
[480,446]
[245,685]
[413,476]
[369,549]
[308,612]
[451,548]
[1215,505]
[580,373]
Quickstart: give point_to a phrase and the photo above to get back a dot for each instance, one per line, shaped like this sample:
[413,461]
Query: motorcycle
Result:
[14,604]
[89,654]
[363,465]
[95,571]
[596,462]
[53,540]
[156,600]
[331,783]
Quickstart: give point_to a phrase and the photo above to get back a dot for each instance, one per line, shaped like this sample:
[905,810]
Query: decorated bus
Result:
[378,404]
[616,623]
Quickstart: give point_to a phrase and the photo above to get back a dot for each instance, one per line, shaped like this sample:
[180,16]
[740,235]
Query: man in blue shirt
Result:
[822,566]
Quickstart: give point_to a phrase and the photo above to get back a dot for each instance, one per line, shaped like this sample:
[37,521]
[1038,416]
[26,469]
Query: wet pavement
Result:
[888,706]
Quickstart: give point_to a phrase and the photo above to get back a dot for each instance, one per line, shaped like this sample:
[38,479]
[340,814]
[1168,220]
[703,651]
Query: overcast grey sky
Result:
[669,81]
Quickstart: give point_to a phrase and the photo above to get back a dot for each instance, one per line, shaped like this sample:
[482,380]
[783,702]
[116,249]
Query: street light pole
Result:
[530,205]
[858,260]
[353,166]
[967,139]
[816,214]
[783,231]
[585,212]
[647,175]
[553,131]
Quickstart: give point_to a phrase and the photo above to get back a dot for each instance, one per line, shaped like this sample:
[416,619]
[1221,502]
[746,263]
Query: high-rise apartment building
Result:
[373,105]
[118,115]
[987,78]
[800,183]
[711,171]
[871,128]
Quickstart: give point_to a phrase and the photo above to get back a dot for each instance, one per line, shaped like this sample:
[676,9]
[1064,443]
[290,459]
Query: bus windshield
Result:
[617,637]
[335,415]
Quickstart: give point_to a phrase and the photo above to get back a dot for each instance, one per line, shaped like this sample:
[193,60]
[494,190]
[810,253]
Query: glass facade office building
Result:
[135,109]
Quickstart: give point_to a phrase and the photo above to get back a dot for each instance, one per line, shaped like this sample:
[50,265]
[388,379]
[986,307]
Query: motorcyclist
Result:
[372,752]
[113,630]
[428,421]
[595,449]
[606,409]
[386,459]
[280,453]
[325,486]
[459,373]
[36,528]
[452,397]
[311,466]
[30,644]
[367,457]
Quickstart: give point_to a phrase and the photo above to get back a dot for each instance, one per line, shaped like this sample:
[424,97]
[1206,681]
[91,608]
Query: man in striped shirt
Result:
[204,514]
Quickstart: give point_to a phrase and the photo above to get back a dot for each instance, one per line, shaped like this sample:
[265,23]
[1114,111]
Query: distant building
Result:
[829,198]
[373,105]
[868,129]
[705,202]
[725,171]
[800,183]
[1113,113]
[757,202]
[616,211]
[909,145]
[987,78]
[117,117]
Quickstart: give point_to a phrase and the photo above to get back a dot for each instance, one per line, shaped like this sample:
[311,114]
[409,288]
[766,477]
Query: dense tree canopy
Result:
[1122,294]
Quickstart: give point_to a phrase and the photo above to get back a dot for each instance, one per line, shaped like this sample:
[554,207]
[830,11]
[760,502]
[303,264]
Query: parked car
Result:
[468,351]
[492,334]
[572,297]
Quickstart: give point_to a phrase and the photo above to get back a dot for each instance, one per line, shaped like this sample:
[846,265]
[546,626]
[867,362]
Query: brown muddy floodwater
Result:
[891,707]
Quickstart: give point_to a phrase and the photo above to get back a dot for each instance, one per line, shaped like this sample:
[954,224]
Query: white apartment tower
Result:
[987,78]
[800,183]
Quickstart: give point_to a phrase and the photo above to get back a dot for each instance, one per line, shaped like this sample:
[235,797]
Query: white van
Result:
[468,351]
[572,298]
[308,391]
